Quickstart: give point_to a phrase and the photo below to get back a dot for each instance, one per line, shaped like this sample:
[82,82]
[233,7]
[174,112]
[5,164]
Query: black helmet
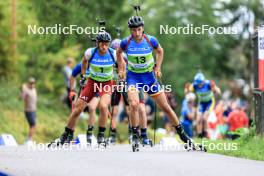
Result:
[135,21]
[103,37]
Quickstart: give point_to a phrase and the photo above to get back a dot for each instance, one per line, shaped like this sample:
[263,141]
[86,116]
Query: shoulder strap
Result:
[146,37]
[111,54]
[128,41]
[95,49]
[113,58]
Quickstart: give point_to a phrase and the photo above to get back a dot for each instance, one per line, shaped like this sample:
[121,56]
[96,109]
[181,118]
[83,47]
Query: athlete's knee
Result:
[134,104]
[92,107]
[77,111]
[78,108]
[103,106]
[142,108]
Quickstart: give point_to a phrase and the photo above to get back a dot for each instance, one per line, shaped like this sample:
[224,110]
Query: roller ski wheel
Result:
[58,143]
[200,147]
[111,141]
[65,138]
[101,141]
[151,143]
[135,146]
[147,141]
[55,143]
[102,144]
[194,147]
[89,140]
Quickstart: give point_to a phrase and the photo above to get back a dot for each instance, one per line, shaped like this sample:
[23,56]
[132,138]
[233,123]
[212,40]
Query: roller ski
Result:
[189,144]
[101,140]
[135,145]
[112,139]
[89,135]
[89,139]
[146,141]
[193,147]
[144,138]
[66,138]
[135,139]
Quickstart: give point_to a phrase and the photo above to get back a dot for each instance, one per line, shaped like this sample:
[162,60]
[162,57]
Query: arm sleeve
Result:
[154,42]
[88,54]
[123,44]
[77,70]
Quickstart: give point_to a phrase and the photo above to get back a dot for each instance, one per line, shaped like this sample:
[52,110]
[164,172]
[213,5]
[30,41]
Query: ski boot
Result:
[89,135]
[189,144]
[101,140]
[66,138]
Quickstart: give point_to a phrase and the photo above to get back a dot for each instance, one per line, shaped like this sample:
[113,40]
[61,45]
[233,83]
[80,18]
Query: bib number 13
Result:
[141,60]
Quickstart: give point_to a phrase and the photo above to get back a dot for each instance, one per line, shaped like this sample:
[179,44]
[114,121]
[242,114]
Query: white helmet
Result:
[115,44]
[190,97]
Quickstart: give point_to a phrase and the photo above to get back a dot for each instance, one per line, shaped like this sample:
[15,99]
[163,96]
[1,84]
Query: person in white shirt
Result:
[29,95]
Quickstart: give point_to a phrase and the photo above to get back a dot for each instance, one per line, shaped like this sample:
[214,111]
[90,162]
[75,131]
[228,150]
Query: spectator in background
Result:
[67,71]
[228,108]
[188,114]
[237,119]
[187,88]
[29,95]
[217,126]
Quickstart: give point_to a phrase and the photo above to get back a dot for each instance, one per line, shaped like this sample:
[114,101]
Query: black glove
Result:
[82,81]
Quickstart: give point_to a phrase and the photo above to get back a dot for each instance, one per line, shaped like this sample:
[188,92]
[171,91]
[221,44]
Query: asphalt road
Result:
[119,160]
